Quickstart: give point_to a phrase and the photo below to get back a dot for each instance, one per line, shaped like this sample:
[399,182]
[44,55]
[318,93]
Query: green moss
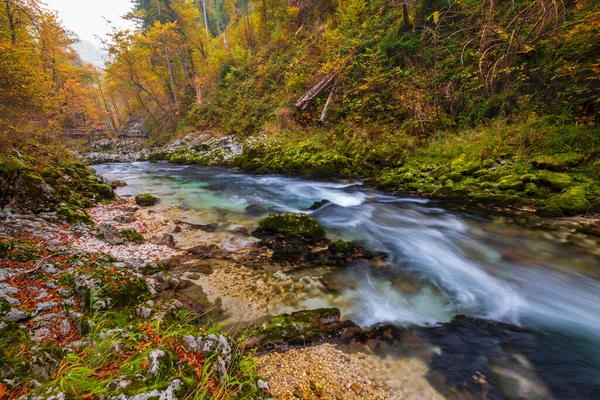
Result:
[131,235]
[454,176]
[343,247]
[5,306]
[146,199]
[511,183]
[572,202]
[74,217]
[464,165]
[555,180]
[298,327]
[293,224]
[558,162]
[488,163]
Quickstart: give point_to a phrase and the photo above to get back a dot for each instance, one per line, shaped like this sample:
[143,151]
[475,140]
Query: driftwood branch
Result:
[305,101]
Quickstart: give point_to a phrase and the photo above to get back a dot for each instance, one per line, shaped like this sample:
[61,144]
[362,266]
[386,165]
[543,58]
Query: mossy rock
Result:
[292,224]
[297,328]
[511,183]
[465,166]
[454,176]
[481,173]
[488,163]
[131,235]
[574,201]
[555,180]
[440,171]
[75,216]
[557,162]
[146,199]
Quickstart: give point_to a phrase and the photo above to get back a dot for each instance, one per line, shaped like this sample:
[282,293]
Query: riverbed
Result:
[536,275]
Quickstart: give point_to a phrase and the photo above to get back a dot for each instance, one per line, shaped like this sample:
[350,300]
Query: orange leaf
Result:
[145,363]
[3,390]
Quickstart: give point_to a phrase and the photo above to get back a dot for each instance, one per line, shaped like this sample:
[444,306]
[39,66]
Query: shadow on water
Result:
[441,264]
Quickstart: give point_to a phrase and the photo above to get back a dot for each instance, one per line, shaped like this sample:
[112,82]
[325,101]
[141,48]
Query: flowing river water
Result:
[442,262]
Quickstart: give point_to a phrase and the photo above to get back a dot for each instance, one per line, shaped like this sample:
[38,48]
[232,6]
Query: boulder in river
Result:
[319,204]
[291,225]
[146,200]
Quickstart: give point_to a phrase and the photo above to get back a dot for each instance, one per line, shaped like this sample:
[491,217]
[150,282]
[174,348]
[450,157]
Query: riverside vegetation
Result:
[490,102]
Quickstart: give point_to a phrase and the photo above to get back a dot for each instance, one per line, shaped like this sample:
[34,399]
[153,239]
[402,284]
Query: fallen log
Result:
[305,101]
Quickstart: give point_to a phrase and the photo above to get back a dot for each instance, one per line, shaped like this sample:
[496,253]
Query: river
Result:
[441,263]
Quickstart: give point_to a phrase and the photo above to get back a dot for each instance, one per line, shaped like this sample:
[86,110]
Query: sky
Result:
[86,17]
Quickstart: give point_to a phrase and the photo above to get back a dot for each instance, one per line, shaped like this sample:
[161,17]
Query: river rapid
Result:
[442,263]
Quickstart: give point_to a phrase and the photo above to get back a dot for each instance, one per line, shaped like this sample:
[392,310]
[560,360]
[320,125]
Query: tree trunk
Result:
[305,101]
[327,105]
[248,30]
[11,22]
[405,15]
[205,17]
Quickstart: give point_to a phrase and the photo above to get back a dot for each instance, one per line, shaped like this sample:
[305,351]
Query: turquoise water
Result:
[442,263]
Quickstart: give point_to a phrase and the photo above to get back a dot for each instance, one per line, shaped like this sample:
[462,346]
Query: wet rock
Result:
[319,204]
[241,231]
[206,228]
[146,200]
[167,240]
[256,209]
[118,183]
[210,250]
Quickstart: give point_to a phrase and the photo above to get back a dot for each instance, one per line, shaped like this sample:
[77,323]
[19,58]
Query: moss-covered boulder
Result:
[511,183]
[293,225]
[557,162]
[555,180]
[131,235]
[572,202]
[146,199]
[65,187]
[464,165]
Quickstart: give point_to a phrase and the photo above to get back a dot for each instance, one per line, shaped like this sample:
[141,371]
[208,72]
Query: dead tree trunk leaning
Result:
[305,101]
[327,105]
